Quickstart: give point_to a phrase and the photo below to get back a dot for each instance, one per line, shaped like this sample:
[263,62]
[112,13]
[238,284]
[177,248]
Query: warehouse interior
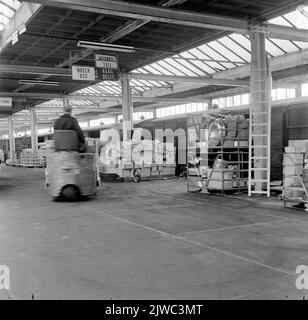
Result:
[209,201]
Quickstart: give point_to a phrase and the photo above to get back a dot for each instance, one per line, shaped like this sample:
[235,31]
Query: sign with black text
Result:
[106,61]
[5,101]
[107,74]
[83,73]
[6,104]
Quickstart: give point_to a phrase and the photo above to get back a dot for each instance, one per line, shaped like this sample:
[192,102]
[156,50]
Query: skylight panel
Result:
[113,90]
[186,54]
[199,54]
[173,67]
[273,49]
[210,52]
[216,66]
[155,83]
[152,70]
[228,55]
[181,67]
[165,69]
[193,68]
[280,21]
[288,46]
[106,90]
[228,65]
[204,66]
[302,45]
[7,11]
[298,19]
[167,64]
[236,44]
[141,70]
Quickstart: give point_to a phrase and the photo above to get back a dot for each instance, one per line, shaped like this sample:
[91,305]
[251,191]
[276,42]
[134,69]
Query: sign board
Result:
[5,101]
[107,74]
[83,73]
[106,61]
[5,105]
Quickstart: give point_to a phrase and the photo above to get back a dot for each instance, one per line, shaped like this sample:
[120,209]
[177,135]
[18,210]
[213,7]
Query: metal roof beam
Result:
[183,79]
[153,13]
[287,33]
[277,63]
[118,34]
[184,18]
[40,96]
[5,68]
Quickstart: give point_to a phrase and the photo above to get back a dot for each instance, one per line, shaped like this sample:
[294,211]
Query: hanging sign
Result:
[106,61]
[5,101]
[5,104]
[83,73]
[107,67]
[107,74]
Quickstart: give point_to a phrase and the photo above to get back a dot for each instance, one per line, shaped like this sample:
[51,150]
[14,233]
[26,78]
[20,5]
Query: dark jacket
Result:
[67,122]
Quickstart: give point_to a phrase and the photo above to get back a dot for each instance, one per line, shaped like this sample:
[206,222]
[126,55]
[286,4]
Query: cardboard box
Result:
[228,144]
[292,182]
[291,193]
[243,124]
[293,159]
[293,170]
[243,134]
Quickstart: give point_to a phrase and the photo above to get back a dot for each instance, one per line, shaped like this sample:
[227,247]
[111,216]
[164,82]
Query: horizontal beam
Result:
[117,34]
[287,33]
[289,60]
[179,17]
[153,13]
[23,69]
[5,68]
[50,96]
[180,79]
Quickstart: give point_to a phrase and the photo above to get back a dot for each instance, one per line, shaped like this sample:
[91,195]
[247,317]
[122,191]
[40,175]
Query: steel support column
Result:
[34,130]
[260,114]
[127,108]
[11,137]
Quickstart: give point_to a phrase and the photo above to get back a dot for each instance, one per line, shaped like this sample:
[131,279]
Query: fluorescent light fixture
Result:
[39,82]
[105,46]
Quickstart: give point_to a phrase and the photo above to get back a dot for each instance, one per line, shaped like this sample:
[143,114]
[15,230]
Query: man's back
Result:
[67,122]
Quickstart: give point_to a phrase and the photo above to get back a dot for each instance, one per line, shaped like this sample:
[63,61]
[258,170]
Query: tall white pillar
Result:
[127,108]
[11,137]
[34,130]
[260,102]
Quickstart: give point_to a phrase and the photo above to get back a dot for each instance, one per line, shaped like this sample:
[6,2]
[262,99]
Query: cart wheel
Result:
[137,176]
[70,193]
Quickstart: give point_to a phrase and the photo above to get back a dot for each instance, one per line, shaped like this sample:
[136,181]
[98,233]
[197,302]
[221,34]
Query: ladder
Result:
[260,135]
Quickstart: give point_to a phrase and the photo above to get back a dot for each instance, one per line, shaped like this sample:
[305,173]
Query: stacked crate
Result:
[31,159]
[293,166]
[152,159]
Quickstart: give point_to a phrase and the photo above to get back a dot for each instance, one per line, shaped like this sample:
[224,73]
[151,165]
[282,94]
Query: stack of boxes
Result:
[293,166]
[152,158]
[29,158]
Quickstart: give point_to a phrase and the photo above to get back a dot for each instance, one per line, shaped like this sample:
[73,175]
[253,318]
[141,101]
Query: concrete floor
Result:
[151,240]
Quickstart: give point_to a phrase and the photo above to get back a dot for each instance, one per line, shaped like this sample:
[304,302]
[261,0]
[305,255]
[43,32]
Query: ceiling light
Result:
[39,82]
[105,46]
